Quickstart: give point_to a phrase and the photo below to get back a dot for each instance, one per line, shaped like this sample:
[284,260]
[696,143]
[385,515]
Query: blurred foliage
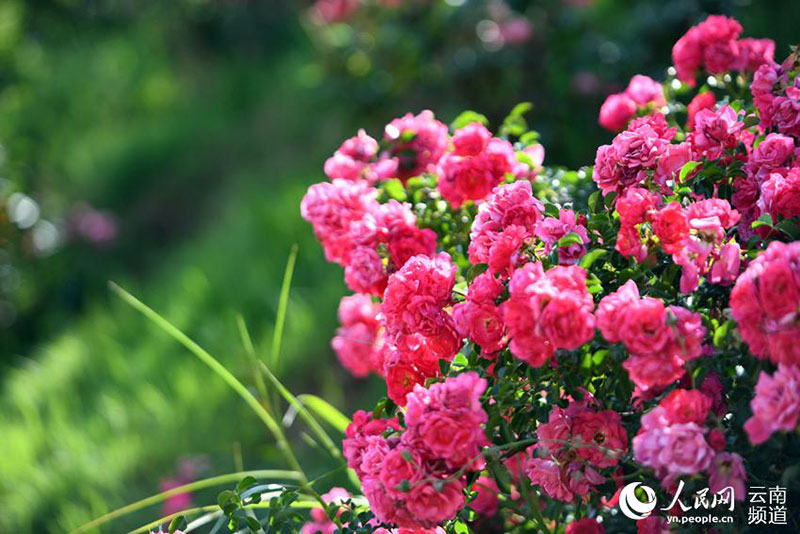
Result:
[138,108]
[108,406]
[195,126]
[449,55]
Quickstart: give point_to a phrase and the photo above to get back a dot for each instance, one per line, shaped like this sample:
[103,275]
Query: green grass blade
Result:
[325,411]
[247,342]
[219,370]
[283,303]
[324,438]
[193,486]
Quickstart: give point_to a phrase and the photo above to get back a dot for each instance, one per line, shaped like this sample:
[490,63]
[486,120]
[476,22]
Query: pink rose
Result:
[671,225]
[613,308]
[430,506]
[701,101]
[486,502]
[686,406]
[364,272]
[417,142]
[585,526]
[616,111]
[727,470]
[776,405]
[644,330]
[604,436]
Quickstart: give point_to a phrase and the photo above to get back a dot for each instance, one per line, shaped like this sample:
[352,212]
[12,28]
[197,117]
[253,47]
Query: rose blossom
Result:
[716,131]
[671,225]
[476,165]
[765,303]
[510,209]
[548,311]
[727,470]
[704,100]
[604,434]
[776,405]
[417,142]
[444,421]
[616,111]
[364,272]
[585,526]
[485,502]
[430,506]
[333,208]
[679,449]
[358,343]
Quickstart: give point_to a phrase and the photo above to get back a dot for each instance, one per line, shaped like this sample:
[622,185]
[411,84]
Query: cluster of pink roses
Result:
[776,406]
[659,338]
[772,183]
[714,46]
[510,219]
[419,329]
[642,152]
[675,440]
[695,236]
[777,97]
[477,164]
[547,310]
[646,154]
[675,197]
[322,524]
[358,343]
[415,477]
[642,92]
[373,240]
[765,302]
[367,238]
[573,445]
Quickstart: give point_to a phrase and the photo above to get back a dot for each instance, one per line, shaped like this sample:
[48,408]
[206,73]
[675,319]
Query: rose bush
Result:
[548,336]
[541,346]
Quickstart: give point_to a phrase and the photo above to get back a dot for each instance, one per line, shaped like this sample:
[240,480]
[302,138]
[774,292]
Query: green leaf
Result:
[529,138]
[224,498]
[750,121]
[520,109]
[722,332]
[515,124]
[468,117]
[325,411]
[252,523]
[525,158]
[551,209]
[283,303]
[687,169]
[178,523]
[459,527]
[570,239]
[592,256]
[789,227]
[596,202]
[394,188]
[764,220]
[245,483]
[599,356]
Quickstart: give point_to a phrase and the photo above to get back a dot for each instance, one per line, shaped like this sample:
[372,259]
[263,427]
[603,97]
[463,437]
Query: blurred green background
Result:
[166,146]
